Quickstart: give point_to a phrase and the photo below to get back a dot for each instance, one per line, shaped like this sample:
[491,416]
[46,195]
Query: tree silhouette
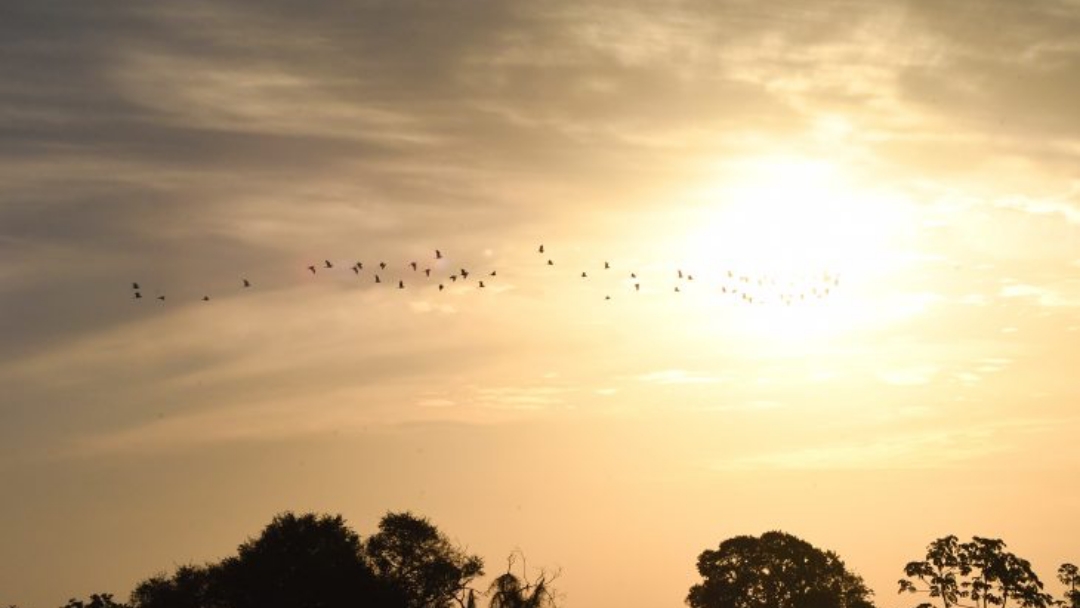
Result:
[980,570]
[510,591]
[777,570]
[419,562]
[305,561]
[1069,575]
[97,600]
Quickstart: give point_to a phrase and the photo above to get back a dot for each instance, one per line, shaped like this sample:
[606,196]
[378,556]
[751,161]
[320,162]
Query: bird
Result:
[327,264]
[377,279]
[464,273]
[453,277]
[206,298]
[676,290]
[607,297]
[312,269]
[134,285]
[550,263]
[606,266]
[492,273]
[633,275]
[382,265]
[162,298]
[689,277]
[427,272]
[584,276]
[438,254]
[247,283]
[355,270]
[680,274]
[541,248]
[137,295]
[413,264]
[441,287]
[359,265]
[401,284]
[481,284]
[637,286]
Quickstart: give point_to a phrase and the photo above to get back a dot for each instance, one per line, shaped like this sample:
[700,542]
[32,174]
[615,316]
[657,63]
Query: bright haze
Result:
[878,202]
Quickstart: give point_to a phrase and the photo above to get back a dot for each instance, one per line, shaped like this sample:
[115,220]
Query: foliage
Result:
[97,600]
[418,561]
[981,571]
[1069,575]
[510,591]
[777,570]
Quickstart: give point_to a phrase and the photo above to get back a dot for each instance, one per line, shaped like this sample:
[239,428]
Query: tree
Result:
[980,570]
[777,570]
[1069,575]
[410,554]
[97,600]
[510,591]
[298,561]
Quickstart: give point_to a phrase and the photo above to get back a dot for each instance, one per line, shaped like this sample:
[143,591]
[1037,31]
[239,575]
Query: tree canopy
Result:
[777,570]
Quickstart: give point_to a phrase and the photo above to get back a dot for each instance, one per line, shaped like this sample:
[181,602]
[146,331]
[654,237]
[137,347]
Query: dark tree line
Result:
[316,561]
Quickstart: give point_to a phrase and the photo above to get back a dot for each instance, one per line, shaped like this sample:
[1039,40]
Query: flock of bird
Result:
[745,288]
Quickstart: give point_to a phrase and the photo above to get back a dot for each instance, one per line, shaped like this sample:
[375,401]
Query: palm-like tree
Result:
[509,591]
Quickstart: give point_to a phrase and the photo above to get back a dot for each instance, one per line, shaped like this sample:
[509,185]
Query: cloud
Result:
[909,376]
[678,376]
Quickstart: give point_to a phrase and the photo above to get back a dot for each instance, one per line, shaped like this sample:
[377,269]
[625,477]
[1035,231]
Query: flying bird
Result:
[162,298]
[584,276]
[464,273]
[413,264]
[382,265]
[401,284]
[541,248]
[377,279]
[441,287]
[606,266]
[312,269]
[134,285]
[492,273]
[206,298]
[359,265]
[327,264]
[137,295]
[355,270]
[550,263]
[637,286]
[427,272]
[680,274]
[481,284]
[247,283]
[453,277]
[438,254]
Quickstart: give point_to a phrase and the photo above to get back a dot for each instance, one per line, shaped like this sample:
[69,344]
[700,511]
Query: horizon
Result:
[878,205]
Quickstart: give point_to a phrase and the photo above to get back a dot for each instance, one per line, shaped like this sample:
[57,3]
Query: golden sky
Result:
[923,154]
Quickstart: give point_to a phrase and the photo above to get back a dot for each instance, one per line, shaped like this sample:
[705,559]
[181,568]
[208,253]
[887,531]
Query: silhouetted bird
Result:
[162,298]
[312,269]
[138,295]
[606,266]
[541,248]
[382,265]
[206,298]
[481,284]
[401,284]
[464,273]
[359,265]
[377,279]
[680,274]
[413,264]
[584,276]
[676,290]
[441,287]
[247,283]
[427,272]
[689,277]
[134,285]
[550,263]
[438,254]
[607,297]
[327,264]
[355,270]
[633,275]
[453,277]
[492,273]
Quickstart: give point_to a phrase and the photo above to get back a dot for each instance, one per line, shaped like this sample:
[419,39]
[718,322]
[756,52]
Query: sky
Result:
[917,159]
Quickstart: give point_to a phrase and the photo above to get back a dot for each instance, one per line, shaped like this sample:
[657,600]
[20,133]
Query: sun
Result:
[802,246]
